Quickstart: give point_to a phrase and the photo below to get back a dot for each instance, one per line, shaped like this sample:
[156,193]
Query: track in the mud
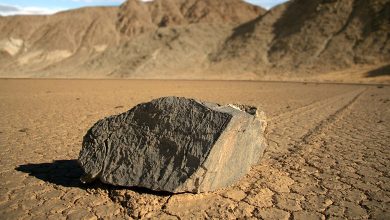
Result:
[328,153]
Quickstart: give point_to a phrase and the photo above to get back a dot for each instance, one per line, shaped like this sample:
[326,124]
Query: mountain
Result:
[138,39]
[202,39]
[315,36]
[35,43]
[171,38]
[138,17]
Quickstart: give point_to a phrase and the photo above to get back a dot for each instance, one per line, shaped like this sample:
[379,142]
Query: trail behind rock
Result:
[328,155]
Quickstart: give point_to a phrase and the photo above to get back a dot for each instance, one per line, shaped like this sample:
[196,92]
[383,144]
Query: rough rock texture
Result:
[174,144]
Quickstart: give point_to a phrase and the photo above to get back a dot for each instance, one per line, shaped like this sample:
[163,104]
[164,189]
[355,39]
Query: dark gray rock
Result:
[174,144]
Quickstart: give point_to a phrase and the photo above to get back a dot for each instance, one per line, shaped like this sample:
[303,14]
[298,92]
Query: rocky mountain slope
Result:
[197,39]
[32,44]
[139,17]
[313,36]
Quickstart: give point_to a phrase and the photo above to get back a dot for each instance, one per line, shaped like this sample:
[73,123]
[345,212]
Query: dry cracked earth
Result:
[328,155]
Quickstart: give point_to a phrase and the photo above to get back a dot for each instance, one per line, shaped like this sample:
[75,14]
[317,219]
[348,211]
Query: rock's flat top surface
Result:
[339,170]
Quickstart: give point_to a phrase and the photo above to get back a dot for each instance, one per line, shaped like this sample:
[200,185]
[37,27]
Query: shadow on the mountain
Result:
[382,71]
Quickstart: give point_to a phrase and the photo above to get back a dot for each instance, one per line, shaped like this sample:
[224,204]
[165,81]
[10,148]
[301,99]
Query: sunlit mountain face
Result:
[21,7]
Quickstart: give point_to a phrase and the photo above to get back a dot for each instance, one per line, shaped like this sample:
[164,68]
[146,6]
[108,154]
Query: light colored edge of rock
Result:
[221,156]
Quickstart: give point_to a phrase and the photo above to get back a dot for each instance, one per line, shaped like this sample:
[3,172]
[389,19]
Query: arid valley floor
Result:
[328,155]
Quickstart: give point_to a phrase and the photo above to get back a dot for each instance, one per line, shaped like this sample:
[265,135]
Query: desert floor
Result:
[328,155]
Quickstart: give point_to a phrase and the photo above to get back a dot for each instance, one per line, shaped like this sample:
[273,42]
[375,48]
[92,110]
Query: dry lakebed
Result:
[328,155]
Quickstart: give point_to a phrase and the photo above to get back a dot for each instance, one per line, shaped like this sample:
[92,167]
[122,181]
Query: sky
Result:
[12,7]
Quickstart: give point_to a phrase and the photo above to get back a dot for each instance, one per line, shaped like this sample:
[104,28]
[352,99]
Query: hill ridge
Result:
[197,39]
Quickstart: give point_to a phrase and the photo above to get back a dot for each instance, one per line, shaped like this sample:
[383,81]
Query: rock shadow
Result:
[65,173]
[382,71]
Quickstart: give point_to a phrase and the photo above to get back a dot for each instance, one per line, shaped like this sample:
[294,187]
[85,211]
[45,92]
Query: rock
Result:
[174,144]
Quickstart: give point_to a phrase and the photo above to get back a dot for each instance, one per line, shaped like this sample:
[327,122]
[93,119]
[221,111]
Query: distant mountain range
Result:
[198,39]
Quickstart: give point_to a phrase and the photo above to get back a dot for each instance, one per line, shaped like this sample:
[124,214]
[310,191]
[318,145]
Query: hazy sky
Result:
[10,7]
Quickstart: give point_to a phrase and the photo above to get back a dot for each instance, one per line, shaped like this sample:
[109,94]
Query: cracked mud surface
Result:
[328,154]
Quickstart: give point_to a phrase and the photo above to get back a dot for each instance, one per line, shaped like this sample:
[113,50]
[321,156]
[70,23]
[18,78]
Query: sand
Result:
[328,153]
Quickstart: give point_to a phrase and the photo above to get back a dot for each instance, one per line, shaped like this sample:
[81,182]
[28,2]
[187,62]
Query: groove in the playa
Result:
[302,112]
[309,107]
[329,121]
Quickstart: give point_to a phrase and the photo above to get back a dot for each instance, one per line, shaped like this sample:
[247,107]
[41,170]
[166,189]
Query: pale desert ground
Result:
[328,155]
